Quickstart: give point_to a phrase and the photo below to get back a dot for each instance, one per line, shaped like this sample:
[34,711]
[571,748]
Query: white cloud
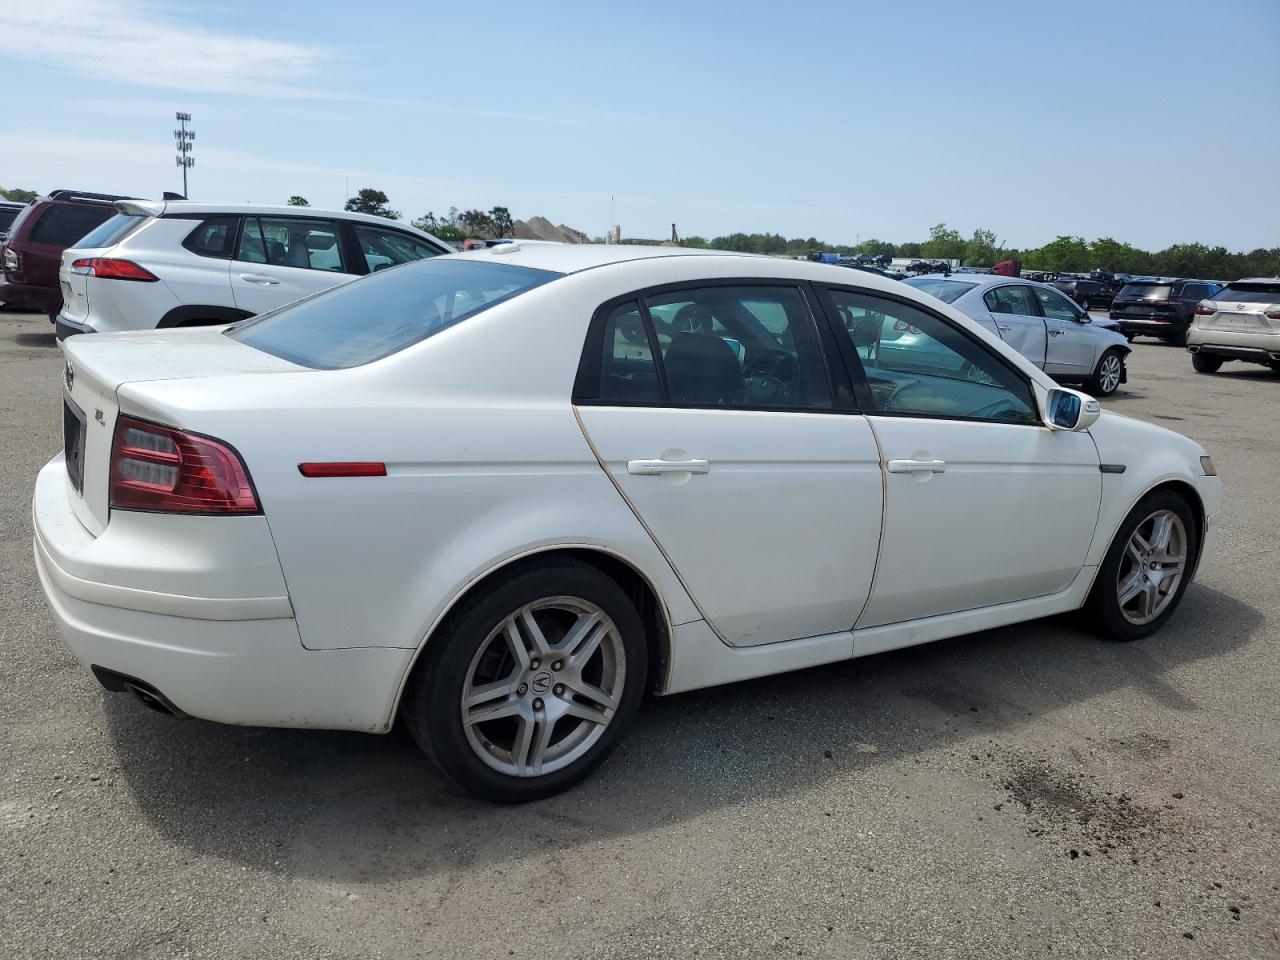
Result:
[132,43]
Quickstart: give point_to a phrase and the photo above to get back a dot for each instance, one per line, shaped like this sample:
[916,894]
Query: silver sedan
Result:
[1041,323]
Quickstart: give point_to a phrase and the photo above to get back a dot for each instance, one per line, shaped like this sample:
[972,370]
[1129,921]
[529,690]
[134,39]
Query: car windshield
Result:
[948,291]
[378,315]
[1257,292]
[1147,291]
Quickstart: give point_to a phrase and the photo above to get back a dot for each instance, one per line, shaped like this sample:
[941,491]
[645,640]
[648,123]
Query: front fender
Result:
[1150,456]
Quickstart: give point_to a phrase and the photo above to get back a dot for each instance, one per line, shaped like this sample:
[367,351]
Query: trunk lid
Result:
[98,365]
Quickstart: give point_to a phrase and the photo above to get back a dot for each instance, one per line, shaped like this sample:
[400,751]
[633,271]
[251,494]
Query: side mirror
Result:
[1070,410]
[1084,318]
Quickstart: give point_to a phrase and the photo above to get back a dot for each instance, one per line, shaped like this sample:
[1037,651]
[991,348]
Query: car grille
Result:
[73,431]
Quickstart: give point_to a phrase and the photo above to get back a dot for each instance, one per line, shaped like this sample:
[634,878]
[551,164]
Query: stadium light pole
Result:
[183,136]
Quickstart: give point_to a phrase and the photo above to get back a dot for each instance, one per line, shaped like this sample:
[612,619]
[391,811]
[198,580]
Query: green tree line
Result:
[1063,254]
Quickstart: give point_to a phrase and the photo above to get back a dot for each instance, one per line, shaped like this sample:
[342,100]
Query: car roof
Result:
[571,258]
[198,208]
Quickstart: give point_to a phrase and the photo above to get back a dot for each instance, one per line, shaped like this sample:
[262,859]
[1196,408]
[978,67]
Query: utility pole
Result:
[183,136]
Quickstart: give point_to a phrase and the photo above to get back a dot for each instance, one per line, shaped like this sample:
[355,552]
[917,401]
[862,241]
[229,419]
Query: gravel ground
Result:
[1029,791]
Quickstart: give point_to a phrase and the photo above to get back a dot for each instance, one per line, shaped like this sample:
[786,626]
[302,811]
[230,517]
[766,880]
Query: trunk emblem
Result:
[97,415]
[69,374]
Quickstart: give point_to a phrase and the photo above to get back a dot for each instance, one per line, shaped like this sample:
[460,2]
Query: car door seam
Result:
[884,510]
[647,529]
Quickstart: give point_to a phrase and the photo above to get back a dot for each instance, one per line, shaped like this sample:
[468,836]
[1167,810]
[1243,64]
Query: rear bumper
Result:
[64,328]
[229,659]
[28,296]
[1259,346]
[1161,326]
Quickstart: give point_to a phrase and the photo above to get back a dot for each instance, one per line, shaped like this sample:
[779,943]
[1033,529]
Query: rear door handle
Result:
[652,468]
[258,278]
[1055,333]
[917,466]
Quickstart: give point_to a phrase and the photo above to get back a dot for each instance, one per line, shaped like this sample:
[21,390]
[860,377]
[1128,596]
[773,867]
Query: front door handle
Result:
[653,468]
[917,466]
[1004,326]
[259,279]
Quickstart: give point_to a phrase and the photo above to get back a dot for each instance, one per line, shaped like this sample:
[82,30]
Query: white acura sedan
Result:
[502,495]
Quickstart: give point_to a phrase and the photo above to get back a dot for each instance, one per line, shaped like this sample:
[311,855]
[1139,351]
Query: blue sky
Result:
[1152,122]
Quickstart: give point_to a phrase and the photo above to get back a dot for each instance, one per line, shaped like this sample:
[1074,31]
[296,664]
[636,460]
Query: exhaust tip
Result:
[123,683]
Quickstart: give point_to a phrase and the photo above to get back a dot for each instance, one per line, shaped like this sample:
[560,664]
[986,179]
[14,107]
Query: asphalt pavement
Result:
[1024,792]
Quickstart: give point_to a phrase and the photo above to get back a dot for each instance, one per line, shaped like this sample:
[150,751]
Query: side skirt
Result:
[699,659]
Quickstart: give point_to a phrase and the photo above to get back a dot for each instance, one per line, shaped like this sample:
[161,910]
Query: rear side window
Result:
[7,216]
[948,291]
[291,242]
[63,224]
[724,346]
[357,323]
[214,237]
[628,371]
[1011,299]
[111,232]
[384,248]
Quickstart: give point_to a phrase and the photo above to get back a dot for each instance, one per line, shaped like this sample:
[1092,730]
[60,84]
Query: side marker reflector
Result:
[350,469]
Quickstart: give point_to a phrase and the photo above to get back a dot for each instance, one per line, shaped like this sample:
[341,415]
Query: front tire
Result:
[1108,375]
[527,686]
[1206,362]
[1146,569]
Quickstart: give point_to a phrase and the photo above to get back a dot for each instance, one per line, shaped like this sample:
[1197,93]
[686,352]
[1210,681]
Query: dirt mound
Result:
[540,228]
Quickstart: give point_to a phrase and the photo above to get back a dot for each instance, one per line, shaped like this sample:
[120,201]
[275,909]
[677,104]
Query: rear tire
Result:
[1130,568]
[552,709]
[1206,362]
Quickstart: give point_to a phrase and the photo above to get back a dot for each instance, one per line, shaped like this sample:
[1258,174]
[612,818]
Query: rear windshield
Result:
[113,231]
[63,224]
[1147,291]
[381,314]
[1250,292]
[948,291]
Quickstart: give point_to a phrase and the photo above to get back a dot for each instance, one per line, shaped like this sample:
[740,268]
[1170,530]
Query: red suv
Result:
[31,256]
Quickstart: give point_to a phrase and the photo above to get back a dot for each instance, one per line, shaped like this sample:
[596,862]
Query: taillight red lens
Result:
[165,470]
[1204,310]
[1273,314]
[112,269]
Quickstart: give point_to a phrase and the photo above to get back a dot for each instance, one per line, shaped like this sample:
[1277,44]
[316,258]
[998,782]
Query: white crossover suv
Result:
[1239,322]
[186,264]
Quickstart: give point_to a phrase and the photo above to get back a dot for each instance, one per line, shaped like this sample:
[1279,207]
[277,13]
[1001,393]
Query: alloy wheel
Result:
[1109,374]
[544,686]
[1154,562]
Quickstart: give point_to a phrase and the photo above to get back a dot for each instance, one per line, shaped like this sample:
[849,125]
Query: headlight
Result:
[1206,464]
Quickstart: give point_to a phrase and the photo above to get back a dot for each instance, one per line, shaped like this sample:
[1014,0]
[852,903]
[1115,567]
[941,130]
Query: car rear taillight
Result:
[12,260]
[110,268]
[1273,314]
[170,471]
[1113,315]
[1204,310]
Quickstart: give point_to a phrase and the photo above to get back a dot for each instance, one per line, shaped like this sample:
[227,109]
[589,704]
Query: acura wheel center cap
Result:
[541,682]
